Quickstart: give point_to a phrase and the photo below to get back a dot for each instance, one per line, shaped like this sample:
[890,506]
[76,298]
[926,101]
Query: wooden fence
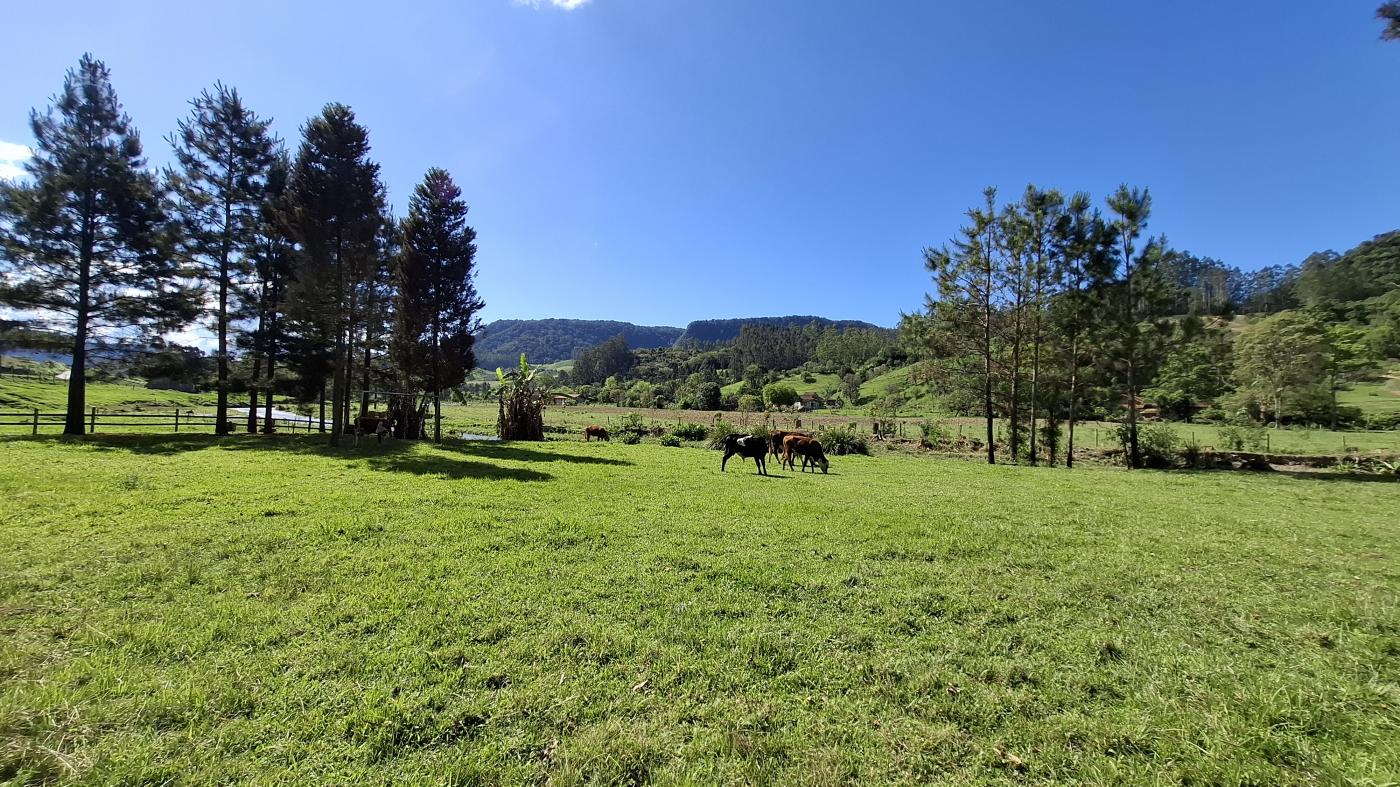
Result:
[172,421]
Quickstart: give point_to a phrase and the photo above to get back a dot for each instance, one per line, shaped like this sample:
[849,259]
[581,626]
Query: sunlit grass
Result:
[272,610]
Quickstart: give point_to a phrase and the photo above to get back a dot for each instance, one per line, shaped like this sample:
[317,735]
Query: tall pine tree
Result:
[84,240]
[334,209]
[436,298]
[223,153]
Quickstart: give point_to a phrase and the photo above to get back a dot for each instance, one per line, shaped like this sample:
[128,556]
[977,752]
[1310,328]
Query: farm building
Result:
[811,401]
[565,399]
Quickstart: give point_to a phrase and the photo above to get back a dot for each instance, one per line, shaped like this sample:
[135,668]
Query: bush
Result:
[671,441]
[1249,437]
[750,404]
[1192,454]
[630,429]
[719,432]
[1381,421]
[778,395]
[933,434]
[842,440]
[690,431]
[1158,444]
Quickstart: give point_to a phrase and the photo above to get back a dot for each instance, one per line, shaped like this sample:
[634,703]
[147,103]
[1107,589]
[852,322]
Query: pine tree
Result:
[1389,12]
[436,298]
[1133,301]
[224,153]
[963,316]
[85,247]
[334,210]
[271,256]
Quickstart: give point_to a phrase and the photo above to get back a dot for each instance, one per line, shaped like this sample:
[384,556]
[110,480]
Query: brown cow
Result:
[808,448]
[775,440]
[593,430]
[377,424]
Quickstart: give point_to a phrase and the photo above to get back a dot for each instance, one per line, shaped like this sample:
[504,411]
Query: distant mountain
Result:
[546,341]
[719,331]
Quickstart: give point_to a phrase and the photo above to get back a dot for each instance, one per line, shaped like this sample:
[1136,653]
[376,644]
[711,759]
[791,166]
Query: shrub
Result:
[671,441]
[1249,437]
[1211,415]
[1158,444]
[1381,421]
[842,440]
[690,431]
[750,404]
[1192,454]
[778,395]
[628,426]
[719,432]
[933,434]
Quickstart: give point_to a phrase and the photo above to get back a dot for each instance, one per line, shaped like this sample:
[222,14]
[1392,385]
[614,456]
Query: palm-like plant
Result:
[522,402]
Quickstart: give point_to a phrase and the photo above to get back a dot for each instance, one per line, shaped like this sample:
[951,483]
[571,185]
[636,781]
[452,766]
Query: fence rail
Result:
[173,421]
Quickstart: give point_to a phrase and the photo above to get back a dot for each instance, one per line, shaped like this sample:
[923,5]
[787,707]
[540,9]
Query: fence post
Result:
[177,419]
[92,421]
[1267,448]
[36,421]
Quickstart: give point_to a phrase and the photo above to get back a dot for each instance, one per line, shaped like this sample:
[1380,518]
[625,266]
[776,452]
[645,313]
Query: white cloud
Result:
[12,158]
[567,5]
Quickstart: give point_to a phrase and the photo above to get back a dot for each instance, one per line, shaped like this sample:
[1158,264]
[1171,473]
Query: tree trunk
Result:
[253,394]
[268,427]
[322,424]
[1035,367]
[77,391]
[1073,398]
[77,372]
[221,407]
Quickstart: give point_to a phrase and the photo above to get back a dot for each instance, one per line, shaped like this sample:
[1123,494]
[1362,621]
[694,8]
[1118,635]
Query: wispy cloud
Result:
[567,5]
[12,158]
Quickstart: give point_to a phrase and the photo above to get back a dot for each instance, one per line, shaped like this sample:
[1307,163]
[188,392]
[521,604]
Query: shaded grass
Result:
[250,609]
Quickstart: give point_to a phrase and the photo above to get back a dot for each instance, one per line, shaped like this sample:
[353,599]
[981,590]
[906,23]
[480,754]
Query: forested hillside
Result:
[545,341]
[717,331]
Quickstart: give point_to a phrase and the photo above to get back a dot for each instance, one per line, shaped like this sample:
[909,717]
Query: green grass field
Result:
[1379,396]
[269,610]
[18,394]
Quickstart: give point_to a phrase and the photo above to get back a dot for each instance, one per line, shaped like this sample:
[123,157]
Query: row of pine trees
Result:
[297,259]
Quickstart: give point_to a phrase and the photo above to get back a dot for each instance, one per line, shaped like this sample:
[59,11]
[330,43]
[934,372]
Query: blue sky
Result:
[660,161]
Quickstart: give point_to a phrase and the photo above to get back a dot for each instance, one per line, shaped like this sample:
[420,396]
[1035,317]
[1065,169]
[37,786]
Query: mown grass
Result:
[269,610]
[19,394]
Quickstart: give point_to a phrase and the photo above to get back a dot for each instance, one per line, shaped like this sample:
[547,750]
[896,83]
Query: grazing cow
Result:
[775,441]
[377,424]
[593,430]
[806,447]
[747,446]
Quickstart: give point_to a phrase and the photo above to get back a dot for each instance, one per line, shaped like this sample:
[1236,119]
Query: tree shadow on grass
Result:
[1314,475]
[454,459]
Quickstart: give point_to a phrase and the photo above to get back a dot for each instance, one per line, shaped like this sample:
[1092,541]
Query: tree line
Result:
[295,258]
[1050,306]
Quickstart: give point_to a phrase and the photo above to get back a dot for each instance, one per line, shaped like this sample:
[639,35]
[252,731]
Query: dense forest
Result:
[501,343]
[705,332]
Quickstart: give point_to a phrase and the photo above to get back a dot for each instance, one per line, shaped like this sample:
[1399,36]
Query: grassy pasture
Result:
[17,393]
[269,610]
